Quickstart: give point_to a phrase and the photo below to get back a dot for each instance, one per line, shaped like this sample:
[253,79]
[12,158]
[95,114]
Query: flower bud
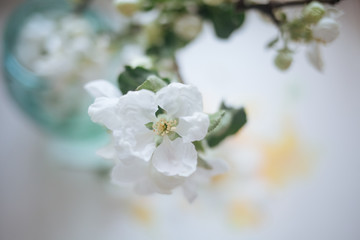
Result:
[213,2]
[188,27]
[327,30]
[127,7]
[154,34]
[313,12]
[283,60]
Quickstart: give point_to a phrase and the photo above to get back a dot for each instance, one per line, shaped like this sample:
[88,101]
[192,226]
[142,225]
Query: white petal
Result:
[189,190]
[180,100]
[193,128]
[137,142]
[327,30]
[146,187]
[137,108]
[127,173]
[102,88]
[165,183]
[314,56]
[103,111]
[108,151]
[175,158]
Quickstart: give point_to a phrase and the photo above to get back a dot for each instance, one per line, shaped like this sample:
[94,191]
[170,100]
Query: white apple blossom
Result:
[155,152]
[313,54]
[326,30]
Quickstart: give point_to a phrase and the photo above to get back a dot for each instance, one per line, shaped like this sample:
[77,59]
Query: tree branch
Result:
[269,8]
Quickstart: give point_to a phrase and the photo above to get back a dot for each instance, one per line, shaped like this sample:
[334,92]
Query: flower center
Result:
[164,126]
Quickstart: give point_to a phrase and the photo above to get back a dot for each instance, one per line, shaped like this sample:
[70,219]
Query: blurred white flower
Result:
[154,151]
[326,30]
[313,54]
[188,26]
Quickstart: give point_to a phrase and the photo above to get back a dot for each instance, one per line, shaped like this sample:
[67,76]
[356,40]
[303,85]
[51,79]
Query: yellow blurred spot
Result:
[142,213]
[244,214]
[218,179]
[284,159]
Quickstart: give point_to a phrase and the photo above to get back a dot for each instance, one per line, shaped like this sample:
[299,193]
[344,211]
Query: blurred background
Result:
[294,168]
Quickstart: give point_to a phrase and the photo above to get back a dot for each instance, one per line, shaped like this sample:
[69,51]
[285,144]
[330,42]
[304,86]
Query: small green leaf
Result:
[225,18]
[232,121]
[159,111]
[149,125]
[152,83]
[131,78]
[173,135]
[203,164]
[198,146]
[272,42]
[215,119]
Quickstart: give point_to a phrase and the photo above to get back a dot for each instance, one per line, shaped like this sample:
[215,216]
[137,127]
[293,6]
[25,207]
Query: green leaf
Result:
[225,18]
[215,119]
[233,120]
[198,146]
[159,111]
[131,78]
[152,83]
[173,135]
[149,125]
[272,42]
[203,164]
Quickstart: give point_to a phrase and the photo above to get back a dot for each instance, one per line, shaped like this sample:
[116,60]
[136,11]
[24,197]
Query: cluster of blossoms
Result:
[153,136]
[50,40]
[316,26]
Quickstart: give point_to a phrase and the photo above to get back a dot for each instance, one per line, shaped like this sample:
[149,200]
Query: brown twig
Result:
[269,8]
[177,70]
[81,6]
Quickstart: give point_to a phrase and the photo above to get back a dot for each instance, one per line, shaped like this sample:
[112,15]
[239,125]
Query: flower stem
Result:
[177,70]
[81,6]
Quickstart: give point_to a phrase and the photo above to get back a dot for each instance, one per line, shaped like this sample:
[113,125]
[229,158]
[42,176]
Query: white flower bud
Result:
[142,61]
[327,30]
[213,2]
[127,7]
[313,12]
[283,60]
[188,26]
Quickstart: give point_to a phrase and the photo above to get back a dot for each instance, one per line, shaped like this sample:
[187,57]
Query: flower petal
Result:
[326,30]
[127,173]
[103,111]
[102,88]
[165,183]
[175,158]
[314,56]
[137,142]
[189,190]
[193,128]
[108,151]
[137,108]
[179,100]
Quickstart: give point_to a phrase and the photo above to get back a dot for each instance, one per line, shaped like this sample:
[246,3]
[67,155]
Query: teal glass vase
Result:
[60,113]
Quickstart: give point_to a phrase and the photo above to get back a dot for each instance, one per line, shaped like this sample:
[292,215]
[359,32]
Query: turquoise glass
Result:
[61,114]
